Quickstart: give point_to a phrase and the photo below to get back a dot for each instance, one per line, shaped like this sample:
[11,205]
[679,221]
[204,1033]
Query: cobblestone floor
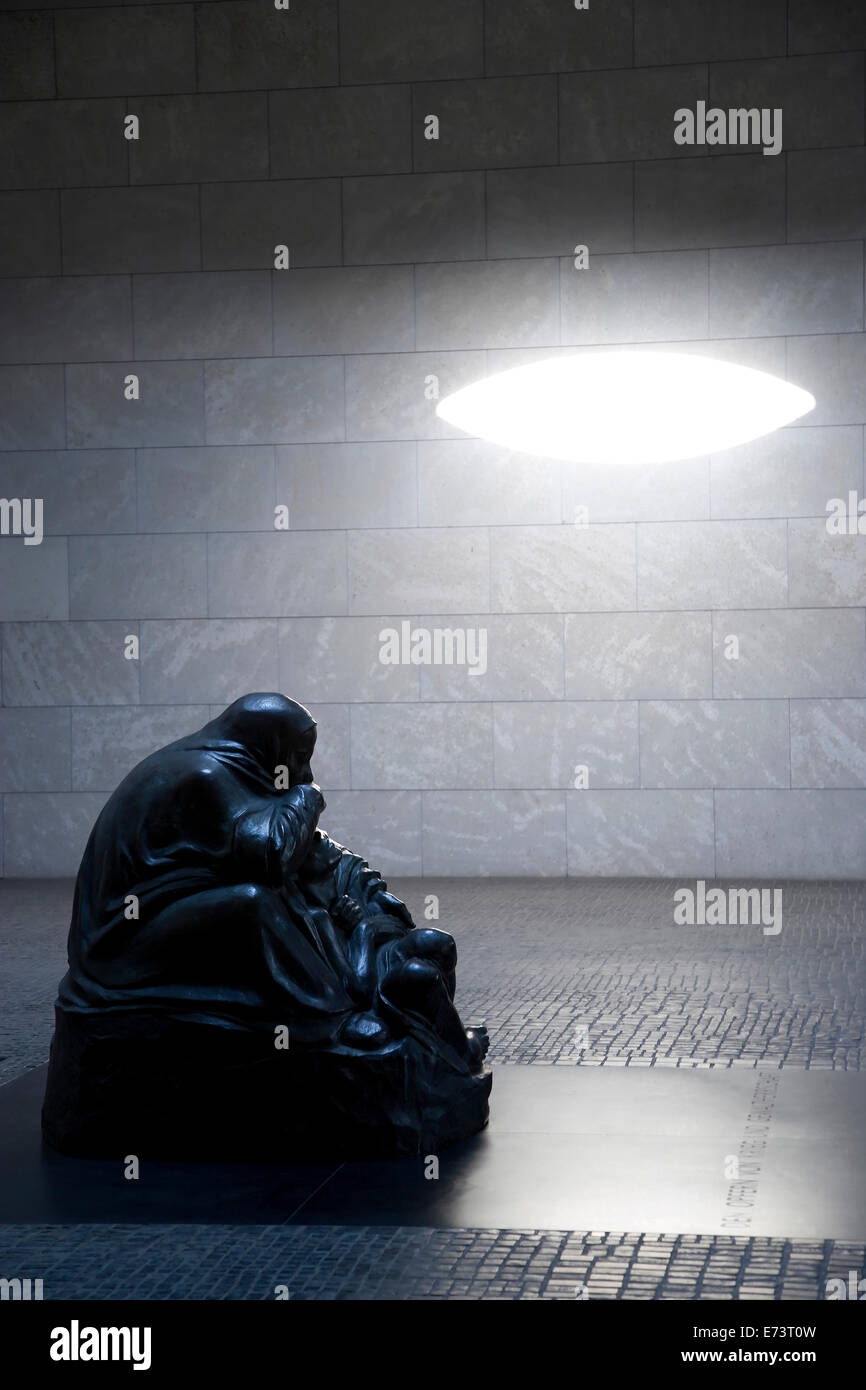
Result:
[407,1263]
[539,961]
[541,958]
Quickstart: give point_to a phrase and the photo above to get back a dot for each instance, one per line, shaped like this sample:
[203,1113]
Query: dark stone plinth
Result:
[154,1086]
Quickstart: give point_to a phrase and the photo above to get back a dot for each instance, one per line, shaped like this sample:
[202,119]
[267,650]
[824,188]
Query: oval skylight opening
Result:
[625,407]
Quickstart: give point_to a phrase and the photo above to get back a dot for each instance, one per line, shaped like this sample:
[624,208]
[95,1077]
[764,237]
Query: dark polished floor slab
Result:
[645,1149]
[39,1185]
[568,1148]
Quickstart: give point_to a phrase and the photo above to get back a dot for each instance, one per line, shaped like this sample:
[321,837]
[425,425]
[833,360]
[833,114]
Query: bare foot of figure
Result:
[479,1041]
[365,1031]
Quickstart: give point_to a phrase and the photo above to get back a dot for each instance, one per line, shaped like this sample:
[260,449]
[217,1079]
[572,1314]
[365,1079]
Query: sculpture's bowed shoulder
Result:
[210,906]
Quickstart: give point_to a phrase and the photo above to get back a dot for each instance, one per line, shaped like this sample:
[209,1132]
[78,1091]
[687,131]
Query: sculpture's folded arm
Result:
[271,843]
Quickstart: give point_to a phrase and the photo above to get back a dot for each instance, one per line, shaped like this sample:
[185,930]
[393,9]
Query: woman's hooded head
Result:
[267,728]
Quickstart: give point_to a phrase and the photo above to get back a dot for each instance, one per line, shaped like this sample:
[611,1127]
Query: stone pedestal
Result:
[148,1084]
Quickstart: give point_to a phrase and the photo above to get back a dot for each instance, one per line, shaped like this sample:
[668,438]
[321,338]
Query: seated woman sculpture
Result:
[208,895]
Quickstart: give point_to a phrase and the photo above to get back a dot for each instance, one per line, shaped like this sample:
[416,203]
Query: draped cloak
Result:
[206,893]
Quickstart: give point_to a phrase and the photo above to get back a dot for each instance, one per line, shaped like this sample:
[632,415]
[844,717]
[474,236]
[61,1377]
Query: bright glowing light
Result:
[625,407]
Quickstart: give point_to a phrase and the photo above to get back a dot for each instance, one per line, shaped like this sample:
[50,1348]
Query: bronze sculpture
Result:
[241,985]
